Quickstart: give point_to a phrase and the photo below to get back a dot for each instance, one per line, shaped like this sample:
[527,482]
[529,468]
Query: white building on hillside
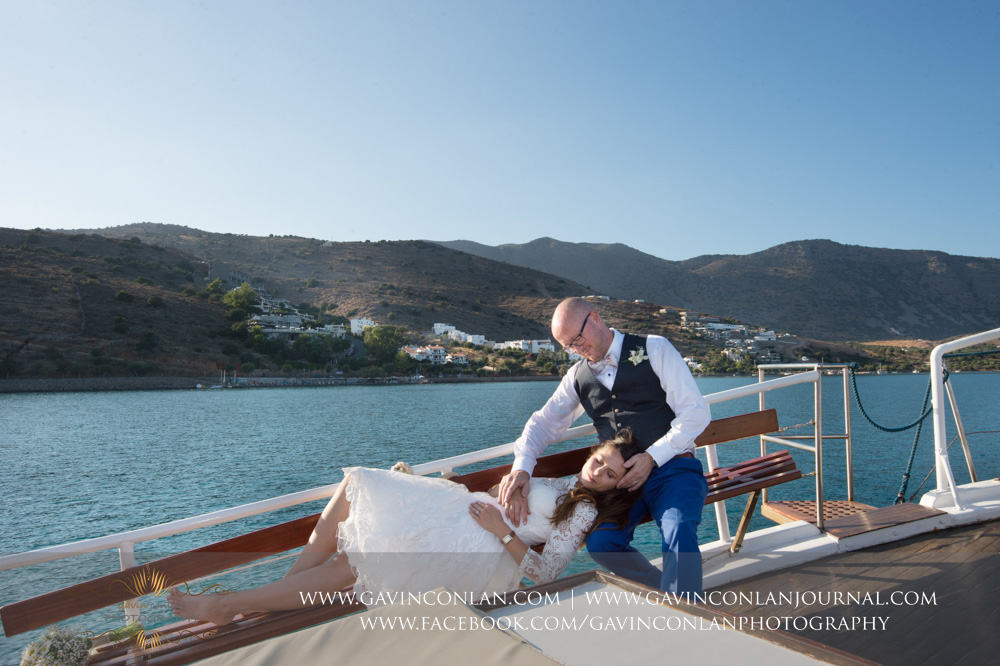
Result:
[275,321]
[432,354]
[733,354]
[693,364]
[543,345]
[530,346]
[336,330]
[416,353]
[458,336]
[436,354]
[358,325]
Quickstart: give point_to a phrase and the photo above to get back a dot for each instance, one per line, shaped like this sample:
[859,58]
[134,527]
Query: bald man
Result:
[641,383]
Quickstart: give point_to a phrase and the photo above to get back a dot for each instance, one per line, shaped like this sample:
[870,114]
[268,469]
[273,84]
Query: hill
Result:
[80,305]
[406,283]
[134,301]
[60,293]
[816,288]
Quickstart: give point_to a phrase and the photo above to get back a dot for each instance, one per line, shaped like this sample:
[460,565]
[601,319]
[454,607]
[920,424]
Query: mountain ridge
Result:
[816,288]
[132,299]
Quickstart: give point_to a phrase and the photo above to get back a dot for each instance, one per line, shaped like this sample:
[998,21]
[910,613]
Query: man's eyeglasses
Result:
[578,340]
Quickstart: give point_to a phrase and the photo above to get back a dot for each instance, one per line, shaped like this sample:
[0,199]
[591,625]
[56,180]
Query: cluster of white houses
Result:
[439,355]
[435,354]
[280,318]
[739,340]
[530,346]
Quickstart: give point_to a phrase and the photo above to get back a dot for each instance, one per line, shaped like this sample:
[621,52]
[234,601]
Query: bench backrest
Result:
[569,462]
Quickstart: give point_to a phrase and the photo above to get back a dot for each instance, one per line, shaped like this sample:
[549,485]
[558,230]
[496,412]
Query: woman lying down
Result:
[388,532]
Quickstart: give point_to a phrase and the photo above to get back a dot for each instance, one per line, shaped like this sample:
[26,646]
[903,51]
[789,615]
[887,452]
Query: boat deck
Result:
[945,583]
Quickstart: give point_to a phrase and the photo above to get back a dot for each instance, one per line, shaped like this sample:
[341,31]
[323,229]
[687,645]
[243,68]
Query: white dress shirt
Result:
[691,413]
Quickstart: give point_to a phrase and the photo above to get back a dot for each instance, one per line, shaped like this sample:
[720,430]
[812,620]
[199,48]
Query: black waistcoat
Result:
[636,400]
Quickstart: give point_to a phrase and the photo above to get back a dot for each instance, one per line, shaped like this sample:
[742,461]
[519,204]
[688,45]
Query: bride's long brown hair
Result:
[613,505]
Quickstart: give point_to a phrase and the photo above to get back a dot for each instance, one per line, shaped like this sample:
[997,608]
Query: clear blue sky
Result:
[679,128]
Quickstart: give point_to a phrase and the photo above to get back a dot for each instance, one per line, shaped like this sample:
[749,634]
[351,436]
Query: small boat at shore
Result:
[832,559]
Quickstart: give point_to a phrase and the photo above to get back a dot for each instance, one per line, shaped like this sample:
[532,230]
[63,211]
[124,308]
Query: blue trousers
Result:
[674,496]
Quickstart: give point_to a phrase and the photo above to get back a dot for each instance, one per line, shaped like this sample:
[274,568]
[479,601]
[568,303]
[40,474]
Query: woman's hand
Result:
[489,518]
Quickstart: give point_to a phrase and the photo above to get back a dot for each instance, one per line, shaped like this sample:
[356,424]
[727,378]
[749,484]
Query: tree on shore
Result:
[404,363]
[383,342]
[243,297]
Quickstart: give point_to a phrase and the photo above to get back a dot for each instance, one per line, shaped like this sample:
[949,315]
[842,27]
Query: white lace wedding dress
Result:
[410,533]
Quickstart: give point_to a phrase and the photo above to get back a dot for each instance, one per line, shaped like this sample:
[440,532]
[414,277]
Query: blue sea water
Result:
[83,465]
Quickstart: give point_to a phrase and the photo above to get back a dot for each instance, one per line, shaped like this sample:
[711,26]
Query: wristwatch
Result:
[507,539]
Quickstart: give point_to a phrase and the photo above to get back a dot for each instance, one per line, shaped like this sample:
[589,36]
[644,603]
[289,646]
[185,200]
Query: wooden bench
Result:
[188,641]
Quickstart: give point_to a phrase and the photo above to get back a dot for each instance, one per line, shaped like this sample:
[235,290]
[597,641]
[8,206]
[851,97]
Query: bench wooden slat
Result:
[745,488]
[246,631]
[761,467]
[117,654]
[775,468]
[739,427]
[748,464]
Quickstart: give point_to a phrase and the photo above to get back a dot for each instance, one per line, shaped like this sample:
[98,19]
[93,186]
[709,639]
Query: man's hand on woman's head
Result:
[514,496]
[639,468]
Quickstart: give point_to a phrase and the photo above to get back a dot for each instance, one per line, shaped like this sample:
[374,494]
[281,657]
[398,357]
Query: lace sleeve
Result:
[565,539]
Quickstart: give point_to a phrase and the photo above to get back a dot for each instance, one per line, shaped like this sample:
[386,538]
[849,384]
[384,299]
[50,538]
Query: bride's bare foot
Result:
[210,607]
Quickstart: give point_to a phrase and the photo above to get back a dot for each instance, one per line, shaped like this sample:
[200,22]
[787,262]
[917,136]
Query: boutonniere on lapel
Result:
[638,355]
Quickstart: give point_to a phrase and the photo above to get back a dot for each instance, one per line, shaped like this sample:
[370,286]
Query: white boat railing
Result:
[942,466]
[125,542]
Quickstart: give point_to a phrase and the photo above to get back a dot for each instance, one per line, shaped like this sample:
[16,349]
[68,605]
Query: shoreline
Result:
[71,385]
[78,384]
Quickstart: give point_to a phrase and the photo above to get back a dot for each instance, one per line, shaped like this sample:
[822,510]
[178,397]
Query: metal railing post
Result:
[721,516]
[845,373]
[961,431]
[818,417]
[126,555]
[763,442]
